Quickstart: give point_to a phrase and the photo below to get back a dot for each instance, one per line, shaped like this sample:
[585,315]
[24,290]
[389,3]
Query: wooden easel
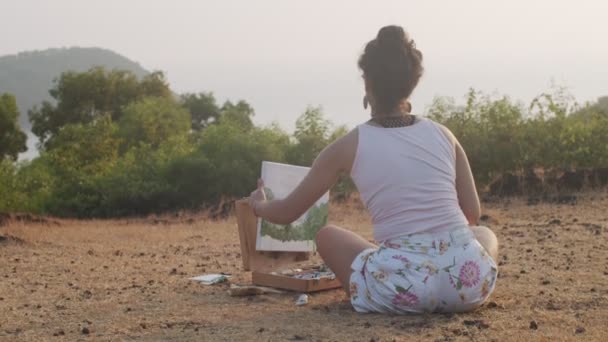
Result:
[263,264]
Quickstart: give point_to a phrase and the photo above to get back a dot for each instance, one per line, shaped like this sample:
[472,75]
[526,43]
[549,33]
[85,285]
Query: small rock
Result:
[297,338]
[492,305]
[302,300]
[556,222]
[546,282]
[579,330]
[484,217]
[143,325]
[480,324]
[460,332]
[59,333]
[367,325]
[85,331]
[261,330]
[533,325]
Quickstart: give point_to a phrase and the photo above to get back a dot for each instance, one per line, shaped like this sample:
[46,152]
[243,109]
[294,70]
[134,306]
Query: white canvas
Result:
[279,181]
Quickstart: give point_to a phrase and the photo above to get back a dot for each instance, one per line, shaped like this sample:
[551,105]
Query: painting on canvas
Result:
[298,236]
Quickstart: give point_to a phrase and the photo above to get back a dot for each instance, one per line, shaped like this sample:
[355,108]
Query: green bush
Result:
[502,137]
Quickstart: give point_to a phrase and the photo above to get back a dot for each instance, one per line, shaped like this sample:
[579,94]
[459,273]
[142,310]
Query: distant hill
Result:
[29,75]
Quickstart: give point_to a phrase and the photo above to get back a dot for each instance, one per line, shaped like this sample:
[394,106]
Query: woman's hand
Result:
[257,196]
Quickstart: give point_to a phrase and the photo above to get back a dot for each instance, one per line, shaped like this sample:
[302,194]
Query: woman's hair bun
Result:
[391,35]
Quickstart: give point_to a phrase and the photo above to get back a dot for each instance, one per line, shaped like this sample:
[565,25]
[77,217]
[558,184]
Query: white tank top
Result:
[407,179]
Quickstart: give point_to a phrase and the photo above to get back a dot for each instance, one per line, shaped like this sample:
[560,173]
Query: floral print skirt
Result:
[423,272]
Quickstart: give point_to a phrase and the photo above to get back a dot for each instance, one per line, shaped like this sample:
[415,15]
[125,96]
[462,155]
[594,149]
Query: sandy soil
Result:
[128,280]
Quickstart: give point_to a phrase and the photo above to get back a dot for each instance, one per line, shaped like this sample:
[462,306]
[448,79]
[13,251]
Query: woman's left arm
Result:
[327,167]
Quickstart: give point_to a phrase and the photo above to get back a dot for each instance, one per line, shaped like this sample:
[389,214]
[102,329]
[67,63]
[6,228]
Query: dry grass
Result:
[126,280]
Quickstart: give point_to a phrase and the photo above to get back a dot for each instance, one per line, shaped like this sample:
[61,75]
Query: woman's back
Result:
[417,184]
[406,177]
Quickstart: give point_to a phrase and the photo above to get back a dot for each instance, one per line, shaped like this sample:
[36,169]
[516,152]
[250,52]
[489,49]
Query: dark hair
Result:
[392,66]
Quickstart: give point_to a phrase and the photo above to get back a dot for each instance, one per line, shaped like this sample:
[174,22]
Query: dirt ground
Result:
[128,280]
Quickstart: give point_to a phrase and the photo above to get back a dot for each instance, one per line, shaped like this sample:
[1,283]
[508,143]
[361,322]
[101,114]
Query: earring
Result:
[365,101]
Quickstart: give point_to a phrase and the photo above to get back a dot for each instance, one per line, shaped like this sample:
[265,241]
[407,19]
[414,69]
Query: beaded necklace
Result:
[394,121]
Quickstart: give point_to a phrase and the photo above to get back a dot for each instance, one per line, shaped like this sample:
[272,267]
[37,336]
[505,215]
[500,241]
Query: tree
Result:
[8,183]
[231,157]
[203,109]
[138,183]
[238,114]
[79,155]
[31,188]
[312,135]
[84,97]
[12,139]
[153,121]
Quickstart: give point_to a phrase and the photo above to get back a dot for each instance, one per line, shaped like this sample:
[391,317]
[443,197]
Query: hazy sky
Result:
[283,55]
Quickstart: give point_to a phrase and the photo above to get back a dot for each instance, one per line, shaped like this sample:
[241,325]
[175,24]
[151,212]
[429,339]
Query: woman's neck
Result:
[403,109]
[392,114]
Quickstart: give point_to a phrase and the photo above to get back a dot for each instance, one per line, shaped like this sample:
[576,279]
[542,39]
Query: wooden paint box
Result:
[265,266]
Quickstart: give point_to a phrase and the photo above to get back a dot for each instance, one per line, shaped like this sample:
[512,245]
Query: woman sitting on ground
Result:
[415,180]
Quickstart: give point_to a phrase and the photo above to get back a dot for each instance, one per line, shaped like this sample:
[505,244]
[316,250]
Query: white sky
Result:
[283,55]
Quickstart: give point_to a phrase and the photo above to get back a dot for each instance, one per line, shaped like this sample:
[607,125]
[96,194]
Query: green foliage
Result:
[86,96]
[87,149]
[235,153]
[140,182]
[238,114]
[12,139]
[25,187]
[501,137]
[315,219]
[79,155]
[203,109]
[192,179]
[488,129]
[153,120]
[8,181]
[312,134]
